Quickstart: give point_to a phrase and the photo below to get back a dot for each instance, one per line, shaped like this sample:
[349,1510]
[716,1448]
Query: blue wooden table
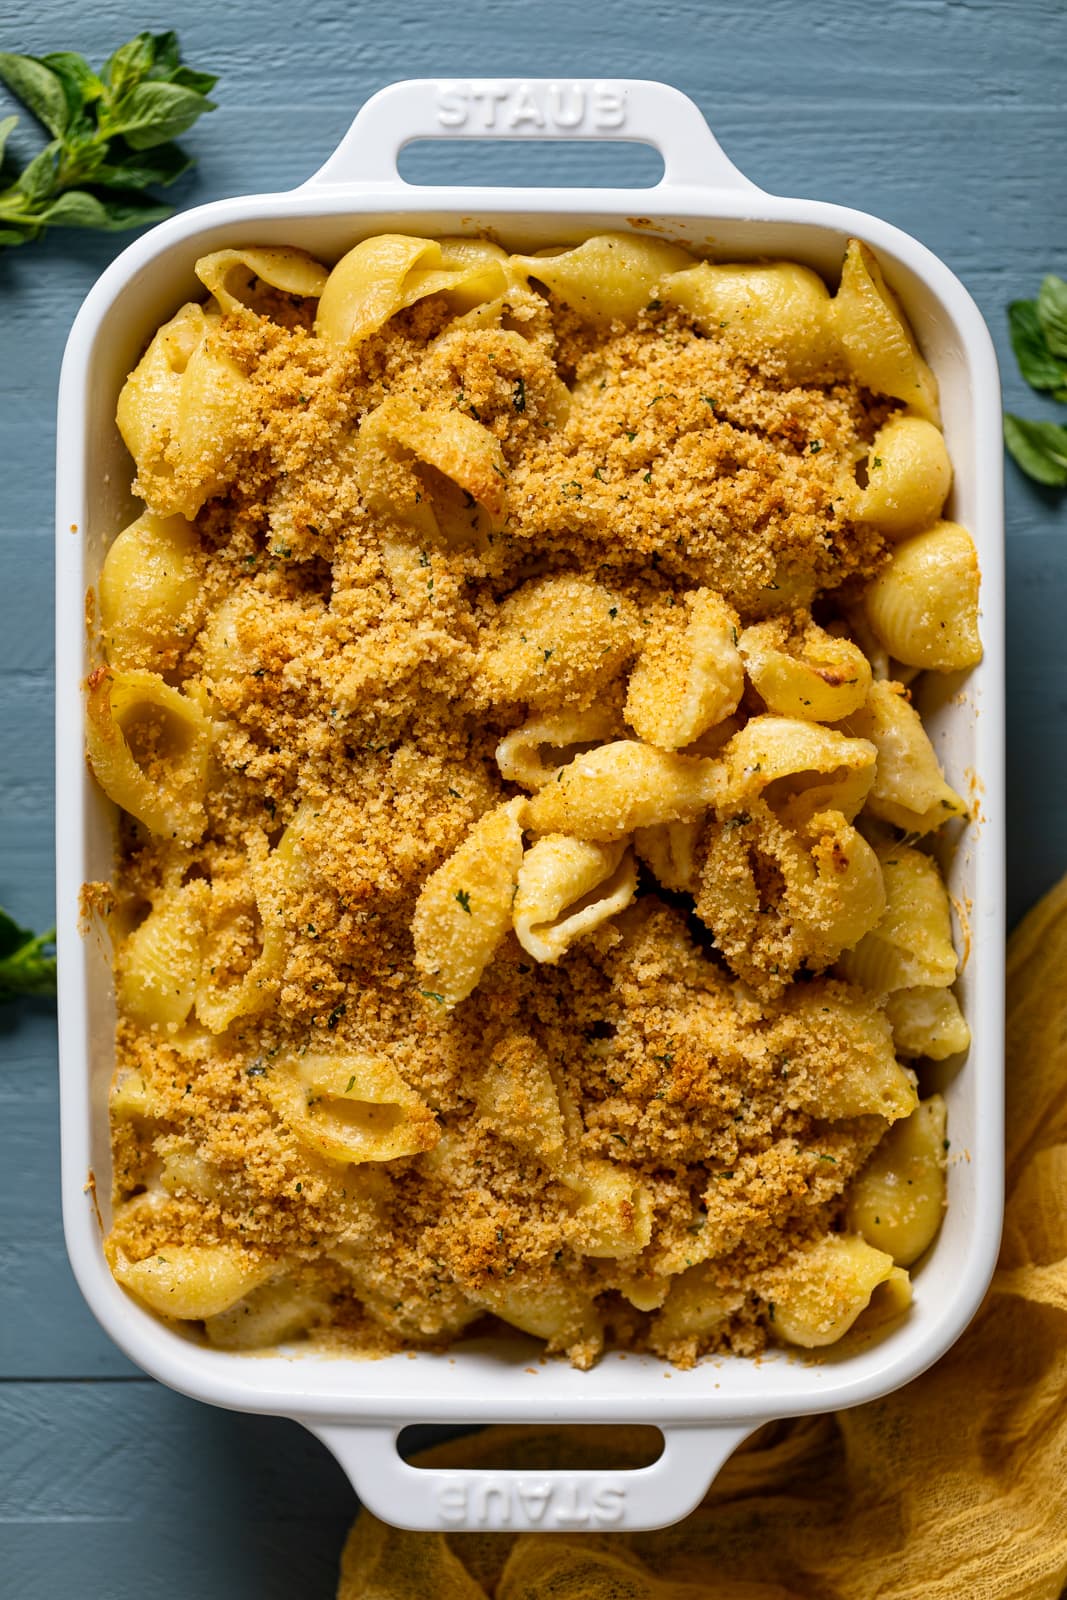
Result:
[945,116]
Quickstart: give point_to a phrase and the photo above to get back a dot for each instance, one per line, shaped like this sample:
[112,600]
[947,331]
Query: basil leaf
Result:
[1036,362]
[6,127]
[131,210]
[169,68]
[76,209]
[114,136]
[1039,448]
[38,88]
[1052,311]
[168,56]
[110,213]
[199,82]
[37,181]
[80,83]
[155,113]
[130,64]
[24,966]
[137,170]
[12,937]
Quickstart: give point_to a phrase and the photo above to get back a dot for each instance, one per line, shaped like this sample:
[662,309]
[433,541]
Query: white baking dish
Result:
[357,1406]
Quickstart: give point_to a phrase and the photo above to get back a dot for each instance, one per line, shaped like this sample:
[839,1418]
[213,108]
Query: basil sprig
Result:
[27,960]
[112,136]
[1039,339]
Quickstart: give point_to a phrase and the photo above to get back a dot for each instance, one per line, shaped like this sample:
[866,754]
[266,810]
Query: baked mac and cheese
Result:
[522,907]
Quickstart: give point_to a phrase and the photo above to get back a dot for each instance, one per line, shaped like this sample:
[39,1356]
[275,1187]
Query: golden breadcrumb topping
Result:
[362,674]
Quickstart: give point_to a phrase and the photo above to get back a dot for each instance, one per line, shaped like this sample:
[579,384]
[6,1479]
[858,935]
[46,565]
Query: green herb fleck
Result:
[463,899]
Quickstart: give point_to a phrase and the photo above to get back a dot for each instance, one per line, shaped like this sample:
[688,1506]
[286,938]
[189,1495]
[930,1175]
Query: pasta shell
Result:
[924,605]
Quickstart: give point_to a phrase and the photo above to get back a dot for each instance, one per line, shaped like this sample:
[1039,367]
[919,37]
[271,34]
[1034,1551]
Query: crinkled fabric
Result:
[954,1486]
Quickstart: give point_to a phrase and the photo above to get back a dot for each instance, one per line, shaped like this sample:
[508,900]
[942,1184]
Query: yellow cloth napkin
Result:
[955,1486]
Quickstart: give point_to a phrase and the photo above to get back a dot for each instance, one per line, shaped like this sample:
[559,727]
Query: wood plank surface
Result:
[945,116]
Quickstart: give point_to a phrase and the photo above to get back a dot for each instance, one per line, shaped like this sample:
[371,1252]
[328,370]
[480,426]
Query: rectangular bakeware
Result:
[359,1406]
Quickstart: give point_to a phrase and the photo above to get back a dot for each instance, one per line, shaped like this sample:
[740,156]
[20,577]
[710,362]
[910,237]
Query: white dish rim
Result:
[360,1406]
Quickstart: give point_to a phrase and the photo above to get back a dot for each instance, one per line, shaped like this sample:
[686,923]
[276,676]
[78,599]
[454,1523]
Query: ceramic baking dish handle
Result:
[531,108]
[427,1498]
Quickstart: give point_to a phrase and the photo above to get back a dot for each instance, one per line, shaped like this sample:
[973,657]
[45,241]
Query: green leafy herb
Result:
[25,967]
[1036,361]
[1039,339]
[1052,313]
[112,136]
[464,899]
[27,960]
[1040,448]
